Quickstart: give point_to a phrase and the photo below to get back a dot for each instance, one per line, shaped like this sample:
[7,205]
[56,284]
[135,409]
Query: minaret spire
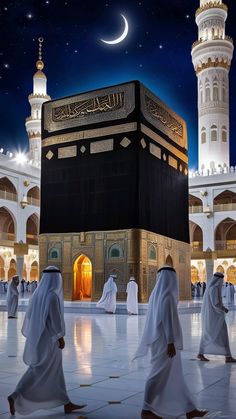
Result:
[212,54]
[36,99]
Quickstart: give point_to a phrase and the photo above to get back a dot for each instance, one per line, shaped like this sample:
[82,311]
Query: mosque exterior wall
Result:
[122,252]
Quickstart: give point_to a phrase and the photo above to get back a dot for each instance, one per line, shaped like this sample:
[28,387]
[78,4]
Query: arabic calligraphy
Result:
[163,116]
[84,108]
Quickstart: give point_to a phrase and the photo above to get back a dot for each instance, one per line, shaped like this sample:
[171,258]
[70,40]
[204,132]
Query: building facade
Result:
[212,189]
[20,193]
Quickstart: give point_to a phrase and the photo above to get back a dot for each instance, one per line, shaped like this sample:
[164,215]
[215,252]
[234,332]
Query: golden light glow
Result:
[82,278]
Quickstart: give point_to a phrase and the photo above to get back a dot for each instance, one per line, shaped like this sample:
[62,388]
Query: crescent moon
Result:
[122,37]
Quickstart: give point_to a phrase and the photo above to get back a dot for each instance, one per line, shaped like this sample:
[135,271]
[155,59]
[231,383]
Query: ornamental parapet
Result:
[215,38]
[213,64]
[38,96]
[212,5]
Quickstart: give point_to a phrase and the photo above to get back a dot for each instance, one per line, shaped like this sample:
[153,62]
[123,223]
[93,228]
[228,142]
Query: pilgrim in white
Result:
[108,298]
[12,297]
[43,384]
[214,338]
[132,296]
[166,393]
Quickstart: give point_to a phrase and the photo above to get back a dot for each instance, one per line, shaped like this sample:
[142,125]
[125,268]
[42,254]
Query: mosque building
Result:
[212,189]
[20,193]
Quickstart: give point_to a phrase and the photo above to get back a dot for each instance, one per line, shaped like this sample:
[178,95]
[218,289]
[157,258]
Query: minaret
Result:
[211,56]
[36,99]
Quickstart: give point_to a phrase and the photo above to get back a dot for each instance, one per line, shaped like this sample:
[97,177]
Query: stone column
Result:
[19,266]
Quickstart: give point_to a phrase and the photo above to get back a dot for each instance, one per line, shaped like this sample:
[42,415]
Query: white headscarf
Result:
[110,285]
[37,313]
[166,288]
[132,278]
[212,316]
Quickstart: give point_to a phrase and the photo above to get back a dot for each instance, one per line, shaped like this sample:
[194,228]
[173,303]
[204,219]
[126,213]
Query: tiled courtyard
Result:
[99,371]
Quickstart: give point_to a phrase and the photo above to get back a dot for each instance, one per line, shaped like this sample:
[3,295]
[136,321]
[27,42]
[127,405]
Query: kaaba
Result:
[114,190]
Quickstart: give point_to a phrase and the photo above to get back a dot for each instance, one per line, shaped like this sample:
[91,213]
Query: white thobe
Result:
[214,338]
[108,299]
[166,393]
[132,297]
[43,386]
[12,300]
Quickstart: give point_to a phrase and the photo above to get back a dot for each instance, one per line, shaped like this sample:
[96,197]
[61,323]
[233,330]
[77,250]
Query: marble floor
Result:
[99,371]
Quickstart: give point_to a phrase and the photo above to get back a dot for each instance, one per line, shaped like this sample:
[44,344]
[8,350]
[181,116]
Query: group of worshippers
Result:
[3,286]
[166,393]
[27,286]
[198,289]
[108,298]
[228,293]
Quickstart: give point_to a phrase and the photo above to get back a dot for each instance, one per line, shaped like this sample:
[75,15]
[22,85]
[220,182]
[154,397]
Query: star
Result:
[5,8]
[187,16]
[160,46]
[140,45]
[6,65]
[29,15]
[47,2]
[75,51]
[140,65]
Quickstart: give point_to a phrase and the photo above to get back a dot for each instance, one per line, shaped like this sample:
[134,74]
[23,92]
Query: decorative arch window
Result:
[213,133]
[152,253]
[207,91]
[215,90]
[224,134]
[54,253]
[201,92]
[115,251]
[203,135]
[224,98]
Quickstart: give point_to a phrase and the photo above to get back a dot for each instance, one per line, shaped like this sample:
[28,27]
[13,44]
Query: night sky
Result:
[156,52]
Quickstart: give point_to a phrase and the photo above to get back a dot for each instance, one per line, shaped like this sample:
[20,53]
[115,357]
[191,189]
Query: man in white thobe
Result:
[132,296]
[108,298]
[43,384]
[214,338]
[166,393]
[12,297]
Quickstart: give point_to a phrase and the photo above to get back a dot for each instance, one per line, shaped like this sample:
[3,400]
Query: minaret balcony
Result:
[211,5]
[215,38]
[39,96]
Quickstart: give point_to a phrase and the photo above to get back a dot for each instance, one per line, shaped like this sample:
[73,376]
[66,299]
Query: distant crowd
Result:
[25,287]
[227,291]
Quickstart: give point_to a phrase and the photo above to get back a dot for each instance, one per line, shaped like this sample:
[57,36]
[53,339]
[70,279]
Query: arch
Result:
[7,225]
[224,98]
[225,235]
[215,90]
[207,91]
[195,204]
[224,134]
[82,270]
[220,269]
[194,274]
[213,133]
[115,251]
[231,274]
[169,261]
[203,135]
[201,92]
[7,189]
[152,252]
[2,272]
[33,196]
[196,236]
[32,228]
[225,197]
[12,269]
[34,271]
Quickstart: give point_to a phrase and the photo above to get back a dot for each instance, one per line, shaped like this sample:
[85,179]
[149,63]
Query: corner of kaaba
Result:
[114,191]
